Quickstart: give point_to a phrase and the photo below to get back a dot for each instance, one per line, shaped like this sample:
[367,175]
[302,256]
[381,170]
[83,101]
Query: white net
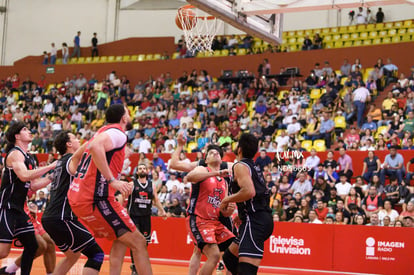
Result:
[199,29]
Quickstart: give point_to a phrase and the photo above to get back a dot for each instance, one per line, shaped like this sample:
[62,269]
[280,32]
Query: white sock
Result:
[12,268]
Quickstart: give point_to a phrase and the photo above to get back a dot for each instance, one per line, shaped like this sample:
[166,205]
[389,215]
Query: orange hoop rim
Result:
[189,7]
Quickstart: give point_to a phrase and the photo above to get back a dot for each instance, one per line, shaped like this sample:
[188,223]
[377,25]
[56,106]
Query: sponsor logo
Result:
[154,238]
[289,246]
[379,250]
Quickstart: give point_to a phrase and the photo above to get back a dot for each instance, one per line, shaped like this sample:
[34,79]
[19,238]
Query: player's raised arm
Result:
[176,163]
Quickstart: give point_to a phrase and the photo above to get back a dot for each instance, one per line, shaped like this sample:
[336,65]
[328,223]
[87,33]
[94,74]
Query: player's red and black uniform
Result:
[92,198]
[58,219]
[14,222]
[255,214]
[139,207]
[204,212]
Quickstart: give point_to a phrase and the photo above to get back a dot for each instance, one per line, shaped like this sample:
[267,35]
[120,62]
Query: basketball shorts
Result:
[106,219]
[70,234]
[204,232]
[143,224]
[14,223]
[253,233]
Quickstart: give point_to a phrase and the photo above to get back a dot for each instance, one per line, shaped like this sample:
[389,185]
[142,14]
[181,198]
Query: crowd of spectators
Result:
[208,111]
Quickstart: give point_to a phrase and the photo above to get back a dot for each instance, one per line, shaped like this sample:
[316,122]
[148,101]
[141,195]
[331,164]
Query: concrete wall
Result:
[33,24]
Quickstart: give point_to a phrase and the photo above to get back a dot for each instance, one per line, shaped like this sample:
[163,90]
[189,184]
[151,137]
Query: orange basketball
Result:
[189,19]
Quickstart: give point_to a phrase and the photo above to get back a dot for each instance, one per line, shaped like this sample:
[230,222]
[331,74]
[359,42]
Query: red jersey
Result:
[206,197]
[88,184]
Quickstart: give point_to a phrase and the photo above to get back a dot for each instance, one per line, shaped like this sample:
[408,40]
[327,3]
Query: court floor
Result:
[158,269]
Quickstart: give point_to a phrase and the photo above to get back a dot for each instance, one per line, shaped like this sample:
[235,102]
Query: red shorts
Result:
[106,219]
[204,231]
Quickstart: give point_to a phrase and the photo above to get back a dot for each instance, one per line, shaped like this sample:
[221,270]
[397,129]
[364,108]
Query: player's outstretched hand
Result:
[181,140]
[163,214]
[224,173]
[123,186]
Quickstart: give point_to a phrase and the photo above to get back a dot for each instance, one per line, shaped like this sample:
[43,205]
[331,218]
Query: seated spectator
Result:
[294,127]
[317,41]
[374,221]
[393,166]
[409,212]
[342,208]
[408,221]
[372,203]
[307,43]
[321,210]
[312,162]
[326,129]
[263,160]
[171,182]
[392,191]
[345,164]
[313,217]
[174,209]
[291,210]
[387,212]
[301,185]
[371,166]
[343,186]
[369,124]
[388,103]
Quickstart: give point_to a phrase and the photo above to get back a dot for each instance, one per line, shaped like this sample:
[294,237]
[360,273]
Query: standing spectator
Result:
[65,53]
[345,163]
[53,53]
[45,58]
[393,165]
[360,97]
[361,16]
[76,46]
[345,68]
[380,16]
[94,45]
[370,17]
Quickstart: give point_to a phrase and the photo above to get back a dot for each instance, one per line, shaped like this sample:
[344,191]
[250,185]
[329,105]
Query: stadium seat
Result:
[315,94]
[376,41]
[372,34]
[402,31]
[343,29]
[386,40]
[396,39]
[157,56]
[319,145]
[388,25]
[59,61]
[367,42]
[366,73]
[363,35]
[398,24]
[197,124]
[408,23]
[88,59]
[338,44]
[348,44]
[381,130]
[406,38]
[392,32]
[119,58]
[355,36]
[334,30]
[149,56]
[357,43]
[102,59]
[340,122]
[370,27]
[191,146]
[95,59]
[307,145]
[81,60]
[141,57]
[345,36]
[382,33]
[361,27]
[126,58]
[73,60]
[352,28]
[134,57]
[111,58]
[241,51]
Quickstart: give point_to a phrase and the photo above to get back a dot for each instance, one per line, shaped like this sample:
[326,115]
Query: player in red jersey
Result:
[208,190]
[92,192]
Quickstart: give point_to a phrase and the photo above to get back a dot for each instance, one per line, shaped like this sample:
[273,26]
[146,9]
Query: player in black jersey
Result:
[59,221]
[183,166]
[140,204]
[249,190]
[19,175]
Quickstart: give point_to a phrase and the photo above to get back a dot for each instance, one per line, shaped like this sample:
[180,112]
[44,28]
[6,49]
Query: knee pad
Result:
[95,256]
[230,261]
[247,269]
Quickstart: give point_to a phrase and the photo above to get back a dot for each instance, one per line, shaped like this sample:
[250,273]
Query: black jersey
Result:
[58,207]
[140,200]
[13,191]
[260,202]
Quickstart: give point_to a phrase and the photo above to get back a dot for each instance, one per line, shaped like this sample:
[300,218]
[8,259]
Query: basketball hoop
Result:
[199,29]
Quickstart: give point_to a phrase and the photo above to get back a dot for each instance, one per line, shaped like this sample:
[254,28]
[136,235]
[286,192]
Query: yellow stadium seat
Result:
[406,38]
[225,52]
[149,57]
[361,27]
[345,36]
[292,40]
[308,32]
[59,61]
[88,59]
[95,59]
[111,58]
[402,31]
[376,41]
[354,36]
[197,124]
[325,31]
[307,145]
[329,45]
[336,37]
[126,58]
[327,38]
[373,34]
[363,35]
[315,94]
[370,26]
[367,42]
[191,146]
[386,40]
[388,25]
[381,130]
[141,57]
[119,58]
[157,56]
[338,44]
[410,31]
[366,73]
[383,33]
[398,24]
[352,28]
[134,57]
[348,44]
[73,60]
[357,43]
[299,33]
[334,30]
[300,39]
[396,39]
[319,145]
[241,51]
[81,60]
[343,29]
[103,59]
[392,32]
[17,96]
[340,122]
[291,33]
[408,23]
[379,26]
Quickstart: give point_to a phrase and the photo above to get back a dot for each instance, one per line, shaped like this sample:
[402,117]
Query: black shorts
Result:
[14,223]
[143,224]
[253,233]
[68,234]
